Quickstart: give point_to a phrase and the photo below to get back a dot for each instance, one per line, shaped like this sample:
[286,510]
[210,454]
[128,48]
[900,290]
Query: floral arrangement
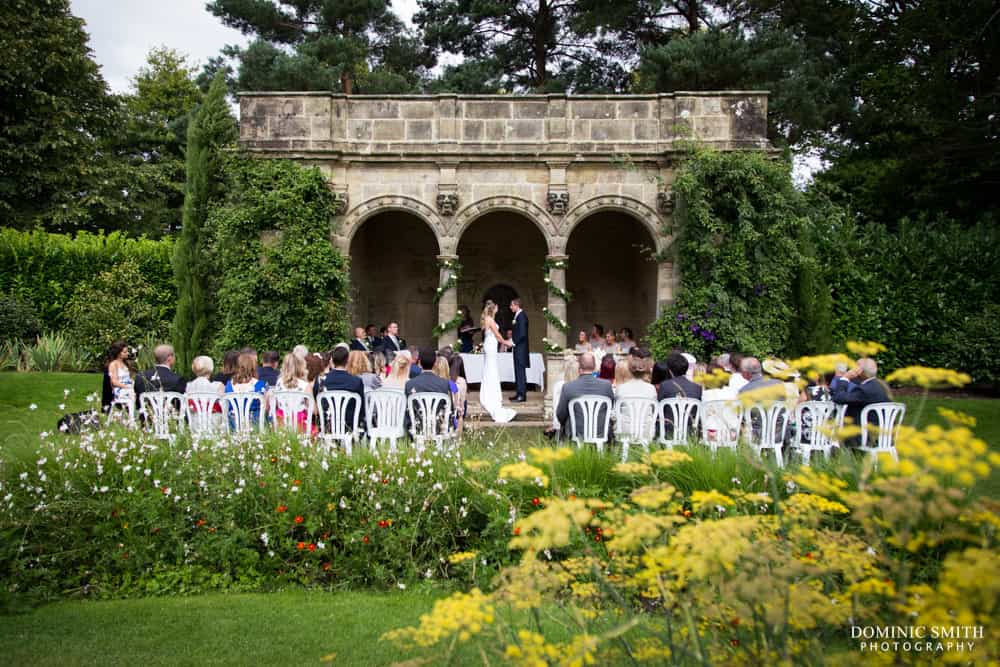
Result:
[454,274]
[453,323]
[553,289]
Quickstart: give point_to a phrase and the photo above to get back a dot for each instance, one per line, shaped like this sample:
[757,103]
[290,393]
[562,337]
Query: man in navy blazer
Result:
[522,356]
[359,342]
[677,385]
[859,387]
[339,379]
[585,385]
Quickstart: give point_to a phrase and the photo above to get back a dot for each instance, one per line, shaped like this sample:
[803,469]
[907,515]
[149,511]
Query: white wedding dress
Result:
[489,390]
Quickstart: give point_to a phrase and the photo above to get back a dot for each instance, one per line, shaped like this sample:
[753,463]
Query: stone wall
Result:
[502,184]
[451,124]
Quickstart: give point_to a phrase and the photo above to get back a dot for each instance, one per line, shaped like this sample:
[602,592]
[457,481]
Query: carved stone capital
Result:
[447,203]
[340,203]
[665,201]
[558,202]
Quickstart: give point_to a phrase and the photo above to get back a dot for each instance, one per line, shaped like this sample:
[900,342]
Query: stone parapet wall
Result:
[395,127]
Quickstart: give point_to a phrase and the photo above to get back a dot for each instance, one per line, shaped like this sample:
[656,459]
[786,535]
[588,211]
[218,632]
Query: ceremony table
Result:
[505,361]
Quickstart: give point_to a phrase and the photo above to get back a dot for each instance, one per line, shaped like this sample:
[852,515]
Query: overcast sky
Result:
[123,31]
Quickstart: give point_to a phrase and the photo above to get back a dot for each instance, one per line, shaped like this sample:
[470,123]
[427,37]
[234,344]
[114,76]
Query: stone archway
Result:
[394,274]
[612,273]
[505,248]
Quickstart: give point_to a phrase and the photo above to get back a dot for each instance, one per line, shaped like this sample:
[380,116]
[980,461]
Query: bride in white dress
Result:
[489,390]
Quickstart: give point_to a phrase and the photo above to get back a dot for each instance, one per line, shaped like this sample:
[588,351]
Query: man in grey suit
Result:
[426,381]
[585,385]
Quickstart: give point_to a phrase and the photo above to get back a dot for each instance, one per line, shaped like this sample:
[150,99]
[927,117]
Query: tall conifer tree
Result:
[211,130]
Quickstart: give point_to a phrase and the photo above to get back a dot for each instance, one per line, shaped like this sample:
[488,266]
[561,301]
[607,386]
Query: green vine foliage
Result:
[736,248]
[281,281]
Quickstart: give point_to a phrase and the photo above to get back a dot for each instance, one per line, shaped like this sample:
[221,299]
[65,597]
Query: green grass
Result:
[267,629]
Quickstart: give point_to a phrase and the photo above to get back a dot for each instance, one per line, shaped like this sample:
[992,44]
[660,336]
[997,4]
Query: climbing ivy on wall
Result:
[281,281]
[736,248]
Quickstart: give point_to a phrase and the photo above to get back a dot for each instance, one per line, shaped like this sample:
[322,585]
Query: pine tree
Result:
[212,129]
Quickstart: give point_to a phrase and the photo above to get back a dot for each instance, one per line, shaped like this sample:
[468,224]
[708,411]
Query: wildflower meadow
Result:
[534,554]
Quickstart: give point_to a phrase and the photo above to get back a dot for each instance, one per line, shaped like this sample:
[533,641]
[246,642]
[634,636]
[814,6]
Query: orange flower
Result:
[282,508]
[517,530]
[297,482]
[199,523]
[365,539]
[299,519]
[536,501]
[300,546]
[312,547]
[326,566]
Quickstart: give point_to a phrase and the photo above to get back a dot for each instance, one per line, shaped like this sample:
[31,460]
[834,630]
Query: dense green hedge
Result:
[46,269]
[761,262]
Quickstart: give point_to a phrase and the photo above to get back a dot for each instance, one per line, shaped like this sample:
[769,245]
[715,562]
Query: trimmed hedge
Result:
[46,269]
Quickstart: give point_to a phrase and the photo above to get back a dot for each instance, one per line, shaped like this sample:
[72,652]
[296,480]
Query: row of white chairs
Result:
[722,423]
[165,413]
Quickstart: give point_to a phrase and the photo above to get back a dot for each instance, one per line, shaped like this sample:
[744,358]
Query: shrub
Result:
[737,223]
[282,283]
[118,304]
[45,269]
[18,318]
[56,352]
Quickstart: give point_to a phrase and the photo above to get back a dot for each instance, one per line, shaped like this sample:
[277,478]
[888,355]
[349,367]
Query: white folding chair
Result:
[385,410]
[159,410]
[680,414]
[203,420]
[244,411]
[814,419]
[291,404]
[888,419]
[124,406]
[766,426]
[635,421]
[334,423]
[430,417]
[720,423]
[595,417]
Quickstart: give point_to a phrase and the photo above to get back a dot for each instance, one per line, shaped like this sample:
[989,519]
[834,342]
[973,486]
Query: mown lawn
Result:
[290,628]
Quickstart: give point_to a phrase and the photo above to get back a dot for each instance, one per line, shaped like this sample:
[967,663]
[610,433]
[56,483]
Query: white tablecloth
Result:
[534,373]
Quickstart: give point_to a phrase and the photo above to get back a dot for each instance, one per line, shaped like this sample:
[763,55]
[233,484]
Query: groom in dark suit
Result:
[522,357]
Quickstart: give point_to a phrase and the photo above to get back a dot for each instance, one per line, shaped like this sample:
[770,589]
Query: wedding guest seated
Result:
[391,342]
[782,372]
[359,343]
[641,352]
[415,369]
[692,362]
[359,365]
[315,366]
[752,372]
[268,371]
[622,374]
[626,340]
[677,384]
[372,338]
[585,385]
[427,381]
[399,371]
[294,377]
[443,370]
[456,371]
[202,368]
[571,370]
[300,351]
[659,373]
[582,344]
[858,388]
[597,337]
[245,379]
[229,359]
[636,385]
[338,379]
[162,377]
[118,385]
[736,380]
[607,371]
[379,366]
[611,342]
[294,374]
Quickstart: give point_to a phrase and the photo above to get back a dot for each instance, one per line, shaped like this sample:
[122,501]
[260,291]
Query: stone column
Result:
[665,285]
[556,306]
[448,305]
